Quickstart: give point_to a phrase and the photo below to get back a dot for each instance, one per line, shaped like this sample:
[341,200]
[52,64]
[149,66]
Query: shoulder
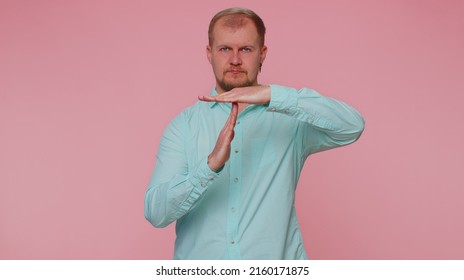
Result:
[194,110]
[189,114]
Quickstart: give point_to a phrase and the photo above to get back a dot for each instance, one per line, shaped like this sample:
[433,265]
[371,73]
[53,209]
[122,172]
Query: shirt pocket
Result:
[263,152]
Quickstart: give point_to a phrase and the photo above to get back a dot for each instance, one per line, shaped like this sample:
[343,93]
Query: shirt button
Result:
[233,209]
[235,179]
[273,109]
[232,241]
[211,177]
[236,150]
[203,184]
[238,122]
[286,111]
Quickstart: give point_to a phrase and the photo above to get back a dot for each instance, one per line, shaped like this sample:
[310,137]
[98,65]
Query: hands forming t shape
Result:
[248,95]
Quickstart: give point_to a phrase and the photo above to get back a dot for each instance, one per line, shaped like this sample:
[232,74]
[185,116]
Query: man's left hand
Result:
[249,95]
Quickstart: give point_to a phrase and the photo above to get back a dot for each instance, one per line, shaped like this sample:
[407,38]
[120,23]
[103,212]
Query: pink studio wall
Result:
[87,88]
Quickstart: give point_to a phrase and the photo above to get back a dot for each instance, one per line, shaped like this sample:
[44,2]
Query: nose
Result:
[236,59]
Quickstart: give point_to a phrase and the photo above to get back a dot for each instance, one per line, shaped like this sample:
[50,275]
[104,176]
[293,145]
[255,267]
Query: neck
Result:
[241,106]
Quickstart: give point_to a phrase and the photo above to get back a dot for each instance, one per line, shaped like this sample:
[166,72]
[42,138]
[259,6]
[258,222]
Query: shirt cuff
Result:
[202,179]
[283,100]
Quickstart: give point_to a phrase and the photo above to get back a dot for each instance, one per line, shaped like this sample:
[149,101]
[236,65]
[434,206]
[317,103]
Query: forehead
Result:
[235,29]
[233,21]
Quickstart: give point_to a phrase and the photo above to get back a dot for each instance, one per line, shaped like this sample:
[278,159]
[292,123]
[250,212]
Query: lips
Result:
[235,71]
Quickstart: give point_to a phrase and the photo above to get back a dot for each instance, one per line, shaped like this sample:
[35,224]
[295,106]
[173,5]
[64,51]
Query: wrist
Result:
[213,165]
[266,93]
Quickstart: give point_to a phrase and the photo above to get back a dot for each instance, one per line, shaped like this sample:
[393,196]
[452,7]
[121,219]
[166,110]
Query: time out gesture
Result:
[236,96]
[248,95]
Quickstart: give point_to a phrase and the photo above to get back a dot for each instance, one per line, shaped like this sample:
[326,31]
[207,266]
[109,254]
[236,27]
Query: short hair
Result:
[236,20]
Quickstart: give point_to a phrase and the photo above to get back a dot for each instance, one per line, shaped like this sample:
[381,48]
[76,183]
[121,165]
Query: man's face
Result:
[235,55]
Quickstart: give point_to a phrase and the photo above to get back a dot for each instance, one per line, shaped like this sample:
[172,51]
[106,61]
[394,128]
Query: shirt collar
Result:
[213,93]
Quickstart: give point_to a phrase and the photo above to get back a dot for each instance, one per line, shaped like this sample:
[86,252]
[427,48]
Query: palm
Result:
[249,95]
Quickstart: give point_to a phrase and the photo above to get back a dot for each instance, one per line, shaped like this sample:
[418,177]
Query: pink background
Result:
[87,88]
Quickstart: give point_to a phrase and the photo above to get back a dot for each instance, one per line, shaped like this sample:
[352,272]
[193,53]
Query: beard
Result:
[227,86]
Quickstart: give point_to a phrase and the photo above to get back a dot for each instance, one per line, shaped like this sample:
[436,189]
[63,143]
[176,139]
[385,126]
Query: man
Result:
[227,167]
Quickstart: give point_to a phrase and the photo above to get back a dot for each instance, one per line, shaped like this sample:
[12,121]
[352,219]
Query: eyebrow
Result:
[228,46]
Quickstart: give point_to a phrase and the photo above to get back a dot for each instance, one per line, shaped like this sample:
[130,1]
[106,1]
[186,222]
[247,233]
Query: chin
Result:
[244,83]
[229,84]
[228,87]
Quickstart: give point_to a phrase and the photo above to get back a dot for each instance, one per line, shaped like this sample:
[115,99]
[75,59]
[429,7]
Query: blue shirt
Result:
[246,210]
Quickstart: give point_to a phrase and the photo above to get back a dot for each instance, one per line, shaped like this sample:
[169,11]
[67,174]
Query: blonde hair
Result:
[236,19]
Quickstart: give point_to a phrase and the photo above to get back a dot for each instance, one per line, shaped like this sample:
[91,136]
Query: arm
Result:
[327,123]
[176,187]
[330,123]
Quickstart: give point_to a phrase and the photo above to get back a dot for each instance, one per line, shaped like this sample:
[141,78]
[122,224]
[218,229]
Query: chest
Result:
[256,132]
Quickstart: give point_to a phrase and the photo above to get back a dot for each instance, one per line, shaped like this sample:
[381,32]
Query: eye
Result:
[246,49]
[224,49]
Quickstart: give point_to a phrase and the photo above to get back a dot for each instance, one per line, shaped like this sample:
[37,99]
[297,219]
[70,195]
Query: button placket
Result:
[235,185]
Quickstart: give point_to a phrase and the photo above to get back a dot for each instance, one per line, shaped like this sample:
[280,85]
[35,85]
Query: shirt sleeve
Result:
[174,189]
[325,123]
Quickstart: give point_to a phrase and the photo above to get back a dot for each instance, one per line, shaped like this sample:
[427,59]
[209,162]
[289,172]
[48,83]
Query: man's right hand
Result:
[221,151]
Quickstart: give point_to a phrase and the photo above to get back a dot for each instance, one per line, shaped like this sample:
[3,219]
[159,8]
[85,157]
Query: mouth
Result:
[235,71]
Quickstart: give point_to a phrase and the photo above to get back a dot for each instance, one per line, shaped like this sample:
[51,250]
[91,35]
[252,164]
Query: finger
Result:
[228,130]
[234,114]
[213,99]
[206,98]
[230,97]
[232,117]
[222,98]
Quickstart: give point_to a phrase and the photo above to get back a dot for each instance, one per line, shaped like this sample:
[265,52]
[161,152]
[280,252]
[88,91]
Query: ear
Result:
[263,53]
[208,53]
